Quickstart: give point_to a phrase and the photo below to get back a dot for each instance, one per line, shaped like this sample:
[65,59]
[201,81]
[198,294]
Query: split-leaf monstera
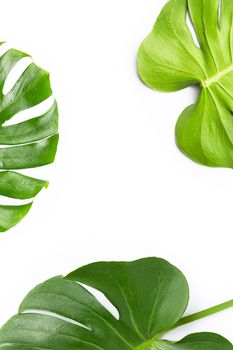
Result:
[170,60]
[28,144]
[150,295]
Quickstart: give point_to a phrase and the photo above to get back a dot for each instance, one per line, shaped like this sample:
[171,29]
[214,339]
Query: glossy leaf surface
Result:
[169,59]
[150,296]
[28,144]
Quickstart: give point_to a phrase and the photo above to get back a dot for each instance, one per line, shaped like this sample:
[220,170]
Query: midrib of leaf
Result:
[153,344]
[128,306]
[157,290]
[206,83]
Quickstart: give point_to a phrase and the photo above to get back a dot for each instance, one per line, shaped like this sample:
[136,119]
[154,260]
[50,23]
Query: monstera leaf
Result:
[170,59]
[28,144]
[150,295]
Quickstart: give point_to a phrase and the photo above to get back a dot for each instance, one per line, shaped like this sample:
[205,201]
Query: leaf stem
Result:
[217,77]
[154,342]
[202,314]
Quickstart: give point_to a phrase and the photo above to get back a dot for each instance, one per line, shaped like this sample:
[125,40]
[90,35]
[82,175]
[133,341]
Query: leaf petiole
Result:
[202,314]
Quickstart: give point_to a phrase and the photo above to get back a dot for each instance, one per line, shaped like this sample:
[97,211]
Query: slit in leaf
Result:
[15,73]
[59,317]
[102,300]
[192,29]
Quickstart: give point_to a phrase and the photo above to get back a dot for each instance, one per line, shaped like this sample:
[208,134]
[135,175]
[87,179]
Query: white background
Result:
[119,189]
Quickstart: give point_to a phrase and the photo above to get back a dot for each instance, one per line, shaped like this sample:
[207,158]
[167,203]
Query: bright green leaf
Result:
[30,155]
[31,130]
[28,144]
[15,185]
[150,295]
[169,60]
[11,215]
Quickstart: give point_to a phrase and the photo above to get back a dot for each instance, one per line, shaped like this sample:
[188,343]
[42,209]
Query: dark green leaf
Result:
[150,295]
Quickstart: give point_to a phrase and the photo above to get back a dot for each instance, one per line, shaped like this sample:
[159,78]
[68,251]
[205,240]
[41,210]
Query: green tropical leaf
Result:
[170,60]
[150,295]
[28,144]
